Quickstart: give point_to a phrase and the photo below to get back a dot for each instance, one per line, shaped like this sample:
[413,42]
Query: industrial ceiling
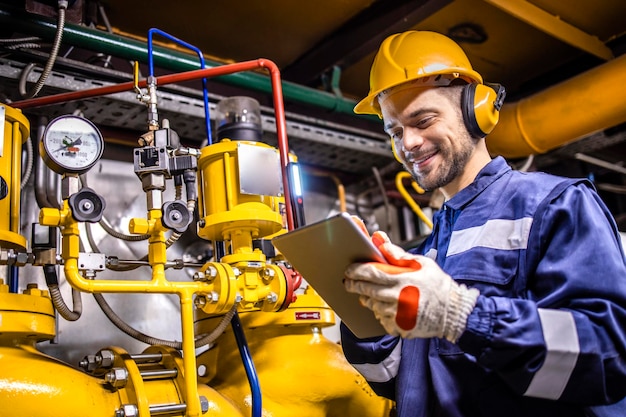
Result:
[324,48]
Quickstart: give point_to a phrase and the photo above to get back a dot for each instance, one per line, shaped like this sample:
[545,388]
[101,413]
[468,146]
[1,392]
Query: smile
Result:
[424,159]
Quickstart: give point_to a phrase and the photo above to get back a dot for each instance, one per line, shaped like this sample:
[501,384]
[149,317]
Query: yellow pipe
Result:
[283,350]
[282,357]
[189,354]
[157,256]
[341,193]
[70,252]
[33,384]
[158,284]
[565,112]
[416,208]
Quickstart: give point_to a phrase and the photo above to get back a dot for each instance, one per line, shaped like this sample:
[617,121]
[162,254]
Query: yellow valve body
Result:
[222,204]
[16,132]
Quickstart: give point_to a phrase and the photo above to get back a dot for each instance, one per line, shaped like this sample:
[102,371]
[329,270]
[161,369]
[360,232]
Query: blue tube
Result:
[253,379]
[14,281]
[202,66]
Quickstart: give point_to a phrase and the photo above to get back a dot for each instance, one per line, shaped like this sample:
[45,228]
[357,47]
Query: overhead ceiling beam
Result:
[359,37]
[554,26]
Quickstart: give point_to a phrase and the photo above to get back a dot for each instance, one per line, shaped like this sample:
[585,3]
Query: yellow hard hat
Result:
[430,57]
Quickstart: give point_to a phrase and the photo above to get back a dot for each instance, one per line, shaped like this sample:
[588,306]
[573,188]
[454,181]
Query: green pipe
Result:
[131,49]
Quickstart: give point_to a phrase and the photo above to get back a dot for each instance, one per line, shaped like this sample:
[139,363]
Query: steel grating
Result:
[315,142]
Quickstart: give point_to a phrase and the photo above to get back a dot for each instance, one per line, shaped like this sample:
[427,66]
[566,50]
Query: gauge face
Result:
[71,144]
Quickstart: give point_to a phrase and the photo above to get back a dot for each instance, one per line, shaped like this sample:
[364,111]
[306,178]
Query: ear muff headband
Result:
[481,104]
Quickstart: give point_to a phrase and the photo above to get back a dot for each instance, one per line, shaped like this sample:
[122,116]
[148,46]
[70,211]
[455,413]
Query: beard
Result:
[453,162]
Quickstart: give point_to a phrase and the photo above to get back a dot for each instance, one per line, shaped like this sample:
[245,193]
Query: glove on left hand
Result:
[412,296]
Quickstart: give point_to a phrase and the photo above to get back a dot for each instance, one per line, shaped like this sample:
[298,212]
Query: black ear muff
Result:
[481,104]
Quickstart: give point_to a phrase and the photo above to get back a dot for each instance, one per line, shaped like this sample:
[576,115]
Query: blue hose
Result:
[253,379]
[202,66]
[14,281]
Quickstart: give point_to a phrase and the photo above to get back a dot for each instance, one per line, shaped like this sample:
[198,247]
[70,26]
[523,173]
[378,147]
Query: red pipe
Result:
[277,93]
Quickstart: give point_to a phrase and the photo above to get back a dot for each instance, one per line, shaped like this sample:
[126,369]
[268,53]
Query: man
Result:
[518,305]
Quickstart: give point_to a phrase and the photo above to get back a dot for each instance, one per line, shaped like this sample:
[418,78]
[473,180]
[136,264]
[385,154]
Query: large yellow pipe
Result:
[32,384]
[300,371]
[568,111]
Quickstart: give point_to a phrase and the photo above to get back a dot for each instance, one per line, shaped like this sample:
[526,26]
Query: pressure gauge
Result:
[71,144]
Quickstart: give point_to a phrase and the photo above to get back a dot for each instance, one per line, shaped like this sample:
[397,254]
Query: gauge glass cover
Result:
[71,144]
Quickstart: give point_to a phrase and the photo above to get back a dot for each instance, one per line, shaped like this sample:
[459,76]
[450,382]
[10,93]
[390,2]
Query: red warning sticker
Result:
[308,315]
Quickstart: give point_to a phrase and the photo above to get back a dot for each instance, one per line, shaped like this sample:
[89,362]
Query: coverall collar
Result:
[490,173]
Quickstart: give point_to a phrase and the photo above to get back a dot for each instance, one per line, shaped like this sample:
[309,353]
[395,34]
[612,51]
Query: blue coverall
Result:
[547,336]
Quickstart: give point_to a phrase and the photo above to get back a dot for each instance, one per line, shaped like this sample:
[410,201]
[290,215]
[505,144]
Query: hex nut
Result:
[199,276]
[267,274]
[22,258]
[127,410]
[89,363]
[117,377]
[106,358]
[212,271]
[200,301]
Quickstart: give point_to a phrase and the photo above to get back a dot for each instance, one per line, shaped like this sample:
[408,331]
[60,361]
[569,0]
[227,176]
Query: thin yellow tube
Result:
[416,208]
[341,193]
[158,284]
[189,354]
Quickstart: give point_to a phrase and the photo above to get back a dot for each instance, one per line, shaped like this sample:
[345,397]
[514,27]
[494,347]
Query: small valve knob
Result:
[87,206]
[176,216]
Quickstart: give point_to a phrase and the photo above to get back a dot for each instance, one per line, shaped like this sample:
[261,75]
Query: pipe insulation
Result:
[568,111]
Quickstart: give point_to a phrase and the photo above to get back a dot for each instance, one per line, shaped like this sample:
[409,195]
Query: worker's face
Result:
[428,135]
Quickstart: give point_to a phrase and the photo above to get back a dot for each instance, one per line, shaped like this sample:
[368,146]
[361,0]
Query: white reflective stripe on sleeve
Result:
[559,332]
[495,234]
[383,371]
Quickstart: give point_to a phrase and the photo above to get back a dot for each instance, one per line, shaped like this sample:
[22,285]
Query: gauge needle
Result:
[71,146]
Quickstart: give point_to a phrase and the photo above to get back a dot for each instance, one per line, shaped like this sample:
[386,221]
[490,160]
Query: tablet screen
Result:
[321,252]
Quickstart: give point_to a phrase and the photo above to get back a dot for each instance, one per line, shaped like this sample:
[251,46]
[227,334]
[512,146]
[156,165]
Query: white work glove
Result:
[411,296]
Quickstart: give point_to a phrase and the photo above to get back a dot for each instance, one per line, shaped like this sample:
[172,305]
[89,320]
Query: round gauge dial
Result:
[71,144]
